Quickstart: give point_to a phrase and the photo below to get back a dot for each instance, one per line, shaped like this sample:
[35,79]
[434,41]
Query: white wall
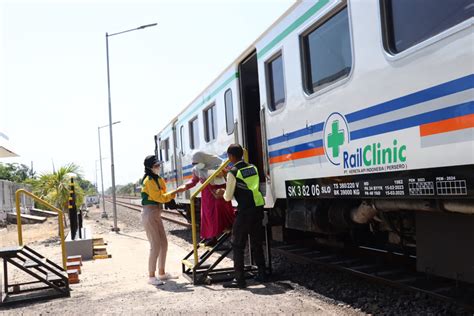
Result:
[7,196]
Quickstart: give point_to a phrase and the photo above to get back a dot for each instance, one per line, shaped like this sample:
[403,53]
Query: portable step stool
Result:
[201,272]
[205,273]
[208,273]
[51,280]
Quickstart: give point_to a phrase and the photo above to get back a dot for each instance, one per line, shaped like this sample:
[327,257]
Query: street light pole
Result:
[104,213]
[112,167]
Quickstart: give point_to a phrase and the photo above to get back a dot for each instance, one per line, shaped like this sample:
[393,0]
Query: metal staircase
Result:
[203,272]
[49,279]
[194,265]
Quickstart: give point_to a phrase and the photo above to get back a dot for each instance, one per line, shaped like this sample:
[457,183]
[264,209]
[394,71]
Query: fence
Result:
[7,197]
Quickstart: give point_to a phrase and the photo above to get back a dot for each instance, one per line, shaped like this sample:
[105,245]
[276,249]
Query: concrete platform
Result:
[119,286]
[81,246]
[25,218]
[40,212]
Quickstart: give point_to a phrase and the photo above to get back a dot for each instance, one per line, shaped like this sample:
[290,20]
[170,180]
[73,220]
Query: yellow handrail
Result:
[193,208]
[60,216]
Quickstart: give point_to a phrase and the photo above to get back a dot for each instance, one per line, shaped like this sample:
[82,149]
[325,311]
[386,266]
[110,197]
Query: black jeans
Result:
[247,222]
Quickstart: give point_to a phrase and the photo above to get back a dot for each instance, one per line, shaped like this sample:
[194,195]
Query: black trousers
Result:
[247,222]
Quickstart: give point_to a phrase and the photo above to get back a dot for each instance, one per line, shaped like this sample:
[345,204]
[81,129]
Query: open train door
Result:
[157,146]
[253,120]
[177,154]
[253,134]
[250,111]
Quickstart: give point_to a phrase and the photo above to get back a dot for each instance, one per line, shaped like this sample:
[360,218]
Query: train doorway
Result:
[250,110]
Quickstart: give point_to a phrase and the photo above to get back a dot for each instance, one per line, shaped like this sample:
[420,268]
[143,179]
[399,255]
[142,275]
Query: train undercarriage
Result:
[422,229]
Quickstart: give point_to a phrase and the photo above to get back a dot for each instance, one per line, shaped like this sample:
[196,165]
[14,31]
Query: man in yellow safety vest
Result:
[243,184]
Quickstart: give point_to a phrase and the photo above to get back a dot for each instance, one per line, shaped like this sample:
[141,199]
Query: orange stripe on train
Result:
[453,124]
[298,155]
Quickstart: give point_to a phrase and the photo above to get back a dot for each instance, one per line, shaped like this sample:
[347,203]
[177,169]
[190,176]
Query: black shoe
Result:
[236,284]
[211,242]
[261,278]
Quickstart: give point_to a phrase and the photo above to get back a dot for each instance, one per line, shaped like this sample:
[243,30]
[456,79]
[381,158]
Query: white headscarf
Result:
[211,162]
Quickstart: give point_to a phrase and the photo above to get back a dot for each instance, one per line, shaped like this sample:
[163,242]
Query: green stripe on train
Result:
[210,96]
[313,10]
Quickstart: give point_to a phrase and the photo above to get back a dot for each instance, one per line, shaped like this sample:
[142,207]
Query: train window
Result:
[181,135]
[409,22]
[165,146]
[326,52]
[229,111]
[275,82]
[210,123]
[193,133]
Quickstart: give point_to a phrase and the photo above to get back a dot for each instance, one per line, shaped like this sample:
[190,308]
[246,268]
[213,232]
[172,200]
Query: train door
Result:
[250,111]
[159,152]
[178,176]
[157,145]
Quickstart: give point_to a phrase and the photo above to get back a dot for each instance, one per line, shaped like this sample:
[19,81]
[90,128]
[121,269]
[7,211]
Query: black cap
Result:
[151,160]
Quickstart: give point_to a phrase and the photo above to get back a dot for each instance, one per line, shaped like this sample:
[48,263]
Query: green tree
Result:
[126,189]
[54,186]
[132,188]
[86,186]
[108,191]
[15,172]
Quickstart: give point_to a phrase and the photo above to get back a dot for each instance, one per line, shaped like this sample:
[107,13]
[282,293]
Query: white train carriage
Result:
[360,117]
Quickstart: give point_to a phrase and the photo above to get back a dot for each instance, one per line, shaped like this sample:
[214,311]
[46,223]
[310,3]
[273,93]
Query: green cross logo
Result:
[335,138]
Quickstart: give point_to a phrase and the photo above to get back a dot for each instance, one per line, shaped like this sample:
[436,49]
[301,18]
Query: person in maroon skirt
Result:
[217,215]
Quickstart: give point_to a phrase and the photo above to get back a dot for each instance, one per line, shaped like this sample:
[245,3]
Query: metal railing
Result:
[60,218]
[193,207]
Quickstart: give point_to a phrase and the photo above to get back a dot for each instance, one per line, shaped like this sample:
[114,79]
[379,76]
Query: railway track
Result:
[171,216]
[372,264]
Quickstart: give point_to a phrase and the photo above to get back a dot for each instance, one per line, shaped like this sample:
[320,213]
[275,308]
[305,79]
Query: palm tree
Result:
[54,187]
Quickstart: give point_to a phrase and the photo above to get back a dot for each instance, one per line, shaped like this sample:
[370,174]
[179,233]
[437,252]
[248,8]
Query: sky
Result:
[53,78]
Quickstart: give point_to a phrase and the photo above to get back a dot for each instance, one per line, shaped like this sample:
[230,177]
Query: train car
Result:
[360,117]
[207,124]
[167,153]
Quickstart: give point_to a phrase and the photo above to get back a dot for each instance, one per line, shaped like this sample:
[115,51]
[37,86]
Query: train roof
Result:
[242,55]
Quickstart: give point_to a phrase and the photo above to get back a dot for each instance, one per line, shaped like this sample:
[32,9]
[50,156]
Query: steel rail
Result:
[138,209]
[402,276]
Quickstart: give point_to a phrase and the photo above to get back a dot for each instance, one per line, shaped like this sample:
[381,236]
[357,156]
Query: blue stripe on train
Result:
[435,92]
[293,149]
[190,166]
[428,94]
[299,133]
[429,117]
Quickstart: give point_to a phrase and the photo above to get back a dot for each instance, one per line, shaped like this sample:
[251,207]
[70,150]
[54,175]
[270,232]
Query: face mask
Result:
[155,170]
[200,165]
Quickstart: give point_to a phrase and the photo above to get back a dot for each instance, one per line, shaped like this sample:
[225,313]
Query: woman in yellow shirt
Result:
[153,196]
